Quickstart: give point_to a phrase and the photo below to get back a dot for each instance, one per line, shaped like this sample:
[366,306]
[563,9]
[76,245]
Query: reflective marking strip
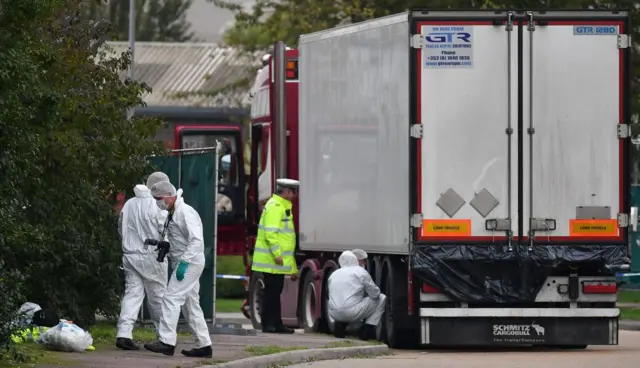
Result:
[266,251]
[273,267]
[286,230]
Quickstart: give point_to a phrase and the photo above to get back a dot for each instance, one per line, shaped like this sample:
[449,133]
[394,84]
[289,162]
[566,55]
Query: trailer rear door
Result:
[466,159]
[574,105]
[520,120]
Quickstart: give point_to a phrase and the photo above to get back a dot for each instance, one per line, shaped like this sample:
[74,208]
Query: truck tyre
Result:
[307,316]
[256,292]
[327,322]
[395,315]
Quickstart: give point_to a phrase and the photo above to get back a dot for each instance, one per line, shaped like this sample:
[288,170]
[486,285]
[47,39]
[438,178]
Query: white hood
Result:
[142,191]
[347,259]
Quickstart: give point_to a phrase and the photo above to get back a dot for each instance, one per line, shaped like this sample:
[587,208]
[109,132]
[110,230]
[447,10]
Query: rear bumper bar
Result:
[520,312]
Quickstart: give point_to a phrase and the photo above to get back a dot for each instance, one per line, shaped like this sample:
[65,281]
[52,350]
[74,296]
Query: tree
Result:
[65,146]
[156,20]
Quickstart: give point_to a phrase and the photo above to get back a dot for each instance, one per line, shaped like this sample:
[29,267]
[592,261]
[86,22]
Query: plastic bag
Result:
[66,336]
[26,313]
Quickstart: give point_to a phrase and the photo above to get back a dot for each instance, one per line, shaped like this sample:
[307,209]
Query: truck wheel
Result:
[256,293]
[308,302]
[395,316]
[328,323]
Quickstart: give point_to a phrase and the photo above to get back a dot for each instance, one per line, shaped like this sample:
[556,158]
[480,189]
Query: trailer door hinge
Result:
[624,41]
[623,220]
[416,220]
[416,41]
[624,131]
[416,131]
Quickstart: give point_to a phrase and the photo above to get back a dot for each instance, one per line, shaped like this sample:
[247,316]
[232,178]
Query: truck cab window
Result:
[228,169]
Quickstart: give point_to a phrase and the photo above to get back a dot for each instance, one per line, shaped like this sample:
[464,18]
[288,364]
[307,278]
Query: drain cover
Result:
[450,202]
[484,202]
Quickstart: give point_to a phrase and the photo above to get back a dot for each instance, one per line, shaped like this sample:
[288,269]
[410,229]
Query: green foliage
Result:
[10,289]
[65,146]
[156,20]
[230,265]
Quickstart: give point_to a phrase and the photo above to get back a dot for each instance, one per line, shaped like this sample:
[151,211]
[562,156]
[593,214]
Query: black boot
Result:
[268,329]
[367,332]
[340,330]
[160,347]
[282,329]
[126,344]
[205,352]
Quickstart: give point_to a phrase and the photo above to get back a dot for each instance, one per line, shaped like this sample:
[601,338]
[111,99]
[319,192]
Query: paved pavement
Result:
[226,348]
[625,355]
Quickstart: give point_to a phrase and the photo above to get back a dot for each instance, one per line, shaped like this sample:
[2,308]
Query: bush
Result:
[230,289]
[10,286]
[66,145]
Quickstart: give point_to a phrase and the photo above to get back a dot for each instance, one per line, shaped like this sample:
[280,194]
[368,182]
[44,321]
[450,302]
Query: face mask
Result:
[162,204]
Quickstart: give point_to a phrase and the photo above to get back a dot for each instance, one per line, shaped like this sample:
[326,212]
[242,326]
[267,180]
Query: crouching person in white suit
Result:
[353,297]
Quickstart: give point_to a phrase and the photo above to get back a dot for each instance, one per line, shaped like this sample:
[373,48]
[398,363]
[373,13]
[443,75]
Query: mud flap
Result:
[519,331]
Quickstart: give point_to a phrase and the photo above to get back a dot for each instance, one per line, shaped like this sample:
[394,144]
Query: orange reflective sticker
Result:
[593,227]
[446,228]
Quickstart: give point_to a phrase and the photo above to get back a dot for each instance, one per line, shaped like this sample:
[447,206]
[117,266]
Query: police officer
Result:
[273,255]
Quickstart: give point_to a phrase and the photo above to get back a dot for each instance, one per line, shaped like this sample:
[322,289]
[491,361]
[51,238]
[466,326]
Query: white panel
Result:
[354,137]
[465,116]
[575,112]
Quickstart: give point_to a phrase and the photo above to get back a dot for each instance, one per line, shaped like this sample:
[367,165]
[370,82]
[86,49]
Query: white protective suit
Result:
[347,288]
[141,219]
[187,244]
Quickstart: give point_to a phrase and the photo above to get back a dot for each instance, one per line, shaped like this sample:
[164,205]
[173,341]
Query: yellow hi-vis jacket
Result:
[276,238]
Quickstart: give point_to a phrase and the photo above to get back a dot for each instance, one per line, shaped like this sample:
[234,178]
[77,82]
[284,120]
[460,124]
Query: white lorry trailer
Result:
[481,158]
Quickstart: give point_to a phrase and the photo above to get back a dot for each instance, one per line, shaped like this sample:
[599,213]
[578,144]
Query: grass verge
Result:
[632,314]
[628,296]
[35,354]
[105,333]
[271,349]
[228,305]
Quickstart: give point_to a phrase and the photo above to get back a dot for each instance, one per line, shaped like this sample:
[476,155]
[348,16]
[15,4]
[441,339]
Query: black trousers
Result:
[271,308]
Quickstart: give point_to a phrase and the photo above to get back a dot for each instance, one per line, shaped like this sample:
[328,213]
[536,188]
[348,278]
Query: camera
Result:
[163,248]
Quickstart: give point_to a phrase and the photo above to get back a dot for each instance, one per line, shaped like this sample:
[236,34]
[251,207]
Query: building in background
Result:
[181,73]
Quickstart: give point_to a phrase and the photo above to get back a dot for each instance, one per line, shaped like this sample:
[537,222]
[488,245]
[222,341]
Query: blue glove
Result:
[182,268]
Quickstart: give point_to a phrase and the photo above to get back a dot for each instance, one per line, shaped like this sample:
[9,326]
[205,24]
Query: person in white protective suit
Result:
[347,300]
[362,256]
[186,254]
[140,219]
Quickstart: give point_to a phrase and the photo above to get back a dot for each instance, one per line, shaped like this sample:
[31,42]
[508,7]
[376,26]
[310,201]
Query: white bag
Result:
[66,336]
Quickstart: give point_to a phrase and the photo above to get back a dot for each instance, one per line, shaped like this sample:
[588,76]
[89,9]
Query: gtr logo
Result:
[448,37]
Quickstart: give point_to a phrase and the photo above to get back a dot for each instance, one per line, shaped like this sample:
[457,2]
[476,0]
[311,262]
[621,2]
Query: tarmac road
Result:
[625,355]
